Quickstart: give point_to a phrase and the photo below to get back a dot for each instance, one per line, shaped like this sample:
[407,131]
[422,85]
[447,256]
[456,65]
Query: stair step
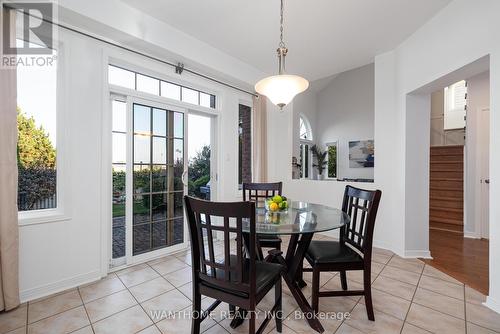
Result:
[444,220]
[449,213]
[438,208]
[446,192]
[447,202]
[449,174]
[445,198]
[446,158]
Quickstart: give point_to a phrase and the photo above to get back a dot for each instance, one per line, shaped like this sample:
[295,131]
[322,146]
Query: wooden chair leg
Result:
[315,289]
[196,315]
[368,294]
[278,316]
[251,322]
[343,280]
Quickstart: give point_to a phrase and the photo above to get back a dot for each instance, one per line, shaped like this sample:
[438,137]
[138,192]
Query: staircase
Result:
[447,188]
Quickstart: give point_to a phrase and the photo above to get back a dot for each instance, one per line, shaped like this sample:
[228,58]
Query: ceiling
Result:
[324,37]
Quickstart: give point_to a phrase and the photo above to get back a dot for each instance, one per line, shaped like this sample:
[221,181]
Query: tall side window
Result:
[305,139]
[332,159]
[244,144]
[119,169]
[455,105]
[36,122]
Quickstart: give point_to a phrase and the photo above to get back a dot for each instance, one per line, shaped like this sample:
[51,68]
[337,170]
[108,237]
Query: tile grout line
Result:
[149,317]
[465,312]
[27,314]
[411,302]
[86,312]
[359,300]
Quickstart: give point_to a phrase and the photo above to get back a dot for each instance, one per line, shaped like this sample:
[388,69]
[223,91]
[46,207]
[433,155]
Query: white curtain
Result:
[259,165]
[9,230]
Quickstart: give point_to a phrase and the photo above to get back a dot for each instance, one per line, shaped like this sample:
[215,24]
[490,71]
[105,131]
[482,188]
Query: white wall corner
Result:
[411,254]
[492,304]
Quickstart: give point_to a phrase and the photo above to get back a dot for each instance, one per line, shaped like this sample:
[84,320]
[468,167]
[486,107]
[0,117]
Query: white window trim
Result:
[63,179]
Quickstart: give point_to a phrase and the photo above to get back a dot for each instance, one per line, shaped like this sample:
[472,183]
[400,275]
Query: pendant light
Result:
[281,88]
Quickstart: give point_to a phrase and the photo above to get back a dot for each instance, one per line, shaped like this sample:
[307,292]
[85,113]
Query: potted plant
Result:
[320,161]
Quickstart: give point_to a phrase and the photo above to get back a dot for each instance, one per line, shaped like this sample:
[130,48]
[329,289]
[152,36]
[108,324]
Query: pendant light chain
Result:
[281,88]
[282,44]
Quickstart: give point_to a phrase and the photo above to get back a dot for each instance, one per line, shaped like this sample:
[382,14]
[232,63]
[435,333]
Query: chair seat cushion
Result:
[326,252]
[266,275]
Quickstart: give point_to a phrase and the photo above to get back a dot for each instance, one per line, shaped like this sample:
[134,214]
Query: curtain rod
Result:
[177,67]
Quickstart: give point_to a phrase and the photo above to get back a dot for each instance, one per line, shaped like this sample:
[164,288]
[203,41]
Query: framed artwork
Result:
[362,154]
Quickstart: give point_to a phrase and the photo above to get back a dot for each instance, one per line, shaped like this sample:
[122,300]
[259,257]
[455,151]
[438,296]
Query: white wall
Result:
[345,113]
[429,54]
[72,248]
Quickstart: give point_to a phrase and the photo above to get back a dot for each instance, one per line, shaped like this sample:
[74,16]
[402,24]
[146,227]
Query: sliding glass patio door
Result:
[149,166]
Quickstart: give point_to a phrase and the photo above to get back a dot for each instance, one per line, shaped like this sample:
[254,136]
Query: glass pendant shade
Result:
[281,88]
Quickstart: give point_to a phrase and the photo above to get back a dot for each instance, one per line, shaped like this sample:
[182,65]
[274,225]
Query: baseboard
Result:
[62,285]
[425,254]
[492,304]
[472,235]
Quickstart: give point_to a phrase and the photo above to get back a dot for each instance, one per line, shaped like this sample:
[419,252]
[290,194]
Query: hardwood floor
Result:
[462,258]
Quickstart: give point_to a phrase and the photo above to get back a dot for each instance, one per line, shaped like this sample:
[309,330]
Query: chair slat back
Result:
[361,206]
[259,192]
[222,264]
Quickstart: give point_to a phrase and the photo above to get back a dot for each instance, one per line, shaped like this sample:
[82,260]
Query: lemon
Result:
[277,199]
[274,206]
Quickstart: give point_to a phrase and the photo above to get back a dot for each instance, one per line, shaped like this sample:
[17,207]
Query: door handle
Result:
[487,181]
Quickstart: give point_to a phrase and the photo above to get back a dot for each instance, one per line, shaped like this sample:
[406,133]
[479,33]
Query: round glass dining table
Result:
[301,220]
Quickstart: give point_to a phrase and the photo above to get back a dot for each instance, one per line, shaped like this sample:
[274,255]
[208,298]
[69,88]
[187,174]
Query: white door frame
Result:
[483,201]
[214,123]
[130,259]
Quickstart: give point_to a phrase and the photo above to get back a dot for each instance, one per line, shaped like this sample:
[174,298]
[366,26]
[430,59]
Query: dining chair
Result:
[353,250]
[259,193]
[221,270]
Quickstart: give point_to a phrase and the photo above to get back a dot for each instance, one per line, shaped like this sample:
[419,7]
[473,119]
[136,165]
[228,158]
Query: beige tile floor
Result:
[409,297]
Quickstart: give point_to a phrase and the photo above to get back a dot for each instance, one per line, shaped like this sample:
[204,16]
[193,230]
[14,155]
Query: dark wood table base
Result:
[293,261]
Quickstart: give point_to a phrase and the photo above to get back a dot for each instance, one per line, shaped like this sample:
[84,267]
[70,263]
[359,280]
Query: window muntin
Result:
[37,136]
[143,83]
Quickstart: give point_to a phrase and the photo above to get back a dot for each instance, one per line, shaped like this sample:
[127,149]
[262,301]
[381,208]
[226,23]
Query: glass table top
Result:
[301,217]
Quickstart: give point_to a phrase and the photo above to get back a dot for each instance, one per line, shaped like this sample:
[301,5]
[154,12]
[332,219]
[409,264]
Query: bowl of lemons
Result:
[277,204]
